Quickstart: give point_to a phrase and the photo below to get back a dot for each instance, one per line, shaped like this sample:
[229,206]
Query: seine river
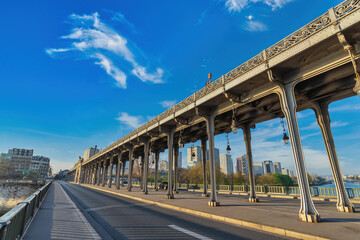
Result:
[347,185]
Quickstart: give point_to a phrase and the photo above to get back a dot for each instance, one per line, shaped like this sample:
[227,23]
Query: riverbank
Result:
[11,194]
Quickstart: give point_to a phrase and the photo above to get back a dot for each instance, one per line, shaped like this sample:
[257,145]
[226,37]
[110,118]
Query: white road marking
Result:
[92,231]
[188,232]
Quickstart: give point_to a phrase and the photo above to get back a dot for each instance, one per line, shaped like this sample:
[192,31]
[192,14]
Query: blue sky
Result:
[75,75]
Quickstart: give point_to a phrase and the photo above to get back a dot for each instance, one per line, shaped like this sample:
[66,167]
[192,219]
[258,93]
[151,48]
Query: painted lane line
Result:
[92,231]
[188,232]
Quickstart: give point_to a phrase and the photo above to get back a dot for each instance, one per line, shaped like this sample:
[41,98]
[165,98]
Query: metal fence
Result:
[14,222]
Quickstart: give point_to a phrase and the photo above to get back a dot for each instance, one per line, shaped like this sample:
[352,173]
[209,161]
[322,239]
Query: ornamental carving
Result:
[346,7]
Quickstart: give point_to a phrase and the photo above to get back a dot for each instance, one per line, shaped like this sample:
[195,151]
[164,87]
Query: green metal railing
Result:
[14,222]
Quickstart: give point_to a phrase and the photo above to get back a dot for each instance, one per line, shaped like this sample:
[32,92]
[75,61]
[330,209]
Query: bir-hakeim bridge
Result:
[311,68]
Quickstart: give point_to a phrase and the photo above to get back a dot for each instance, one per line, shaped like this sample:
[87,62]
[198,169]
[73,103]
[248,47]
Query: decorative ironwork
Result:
[346,7]
[299,35]
[250,64]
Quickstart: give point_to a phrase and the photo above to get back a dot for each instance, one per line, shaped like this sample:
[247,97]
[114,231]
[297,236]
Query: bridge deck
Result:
[58,218]
[275,212]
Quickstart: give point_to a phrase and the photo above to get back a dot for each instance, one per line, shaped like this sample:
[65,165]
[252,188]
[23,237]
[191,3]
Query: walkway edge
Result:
[257,226]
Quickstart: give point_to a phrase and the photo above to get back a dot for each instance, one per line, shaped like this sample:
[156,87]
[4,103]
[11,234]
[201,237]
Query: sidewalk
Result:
[270,214]
[59,218]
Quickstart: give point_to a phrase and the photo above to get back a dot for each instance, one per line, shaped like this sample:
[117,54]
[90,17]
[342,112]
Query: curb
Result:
[265,228]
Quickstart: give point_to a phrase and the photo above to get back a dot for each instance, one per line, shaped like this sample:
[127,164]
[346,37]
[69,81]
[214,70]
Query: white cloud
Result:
[338,124]
[96,40]
[168,103]
[201,18]
[254,26]
[131,121]
[346,107]
[238,5]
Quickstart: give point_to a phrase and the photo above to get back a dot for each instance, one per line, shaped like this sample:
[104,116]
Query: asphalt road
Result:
[115,217]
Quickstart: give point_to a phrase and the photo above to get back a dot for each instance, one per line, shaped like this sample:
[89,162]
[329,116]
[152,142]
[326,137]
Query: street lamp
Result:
[285,136]
[228,148]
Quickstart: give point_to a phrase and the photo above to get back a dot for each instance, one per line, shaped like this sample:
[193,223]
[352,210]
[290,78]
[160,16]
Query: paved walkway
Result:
[59,218]
[281,214]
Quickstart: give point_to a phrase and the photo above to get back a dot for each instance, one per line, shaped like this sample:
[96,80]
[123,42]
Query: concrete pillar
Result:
[111,171]
[176,168]
[118,169]
[247,139]
[105,173]
[157,156]
[96,168]
[123,163]
[203,158]
[98,180]
[142,172]
[210,128]
[170,143]
[131,166]
[323,120]
[146,165]
[308,212]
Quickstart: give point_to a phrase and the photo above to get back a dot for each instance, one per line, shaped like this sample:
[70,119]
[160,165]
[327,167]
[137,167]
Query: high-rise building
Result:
[226,164]
[242,165]
[268,167]
[20,160]
[193,156]
[284,171]
[258,168]
[291,173]
[277,167]
[88,153]
[217,156]
[164,166]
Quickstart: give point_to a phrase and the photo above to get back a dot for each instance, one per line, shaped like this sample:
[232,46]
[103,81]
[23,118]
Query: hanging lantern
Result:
[286,138]
[234,127]
[180,143]
[228,149]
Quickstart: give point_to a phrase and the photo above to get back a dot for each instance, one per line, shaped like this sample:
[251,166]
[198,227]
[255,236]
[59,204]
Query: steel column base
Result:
[213,204]
[156,189]
[253,199]
[346,209]
[168,196]
[205,195]
[176,191]
[313,218]
[146,193]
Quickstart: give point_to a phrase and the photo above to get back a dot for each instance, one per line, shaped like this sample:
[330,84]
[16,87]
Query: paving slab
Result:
[282,214]
[59,218]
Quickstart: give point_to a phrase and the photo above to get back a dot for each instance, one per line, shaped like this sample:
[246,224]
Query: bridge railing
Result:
[14,222]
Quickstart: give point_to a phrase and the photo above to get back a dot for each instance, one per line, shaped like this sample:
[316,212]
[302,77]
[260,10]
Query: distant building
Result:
[41,165]
[20,160]
[242,165]
[277,167]
[284,171]
[217,156]
[291,173]
[164,165]
[268,167]
[258,168]
[226,164]
[193,156]
[88,153]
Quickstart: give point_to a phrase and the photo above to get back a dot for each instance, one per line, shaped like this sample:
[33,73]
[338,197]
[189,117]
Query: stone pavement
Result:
[59,218]
[275,215]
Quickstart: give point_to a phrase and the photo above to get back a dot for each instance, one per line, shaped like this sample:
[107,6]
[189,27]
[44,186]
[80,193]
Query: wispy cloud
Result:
[346,107]
[201,18]
[168,103]
[130,121]
[96,40]
[254,26]
[238,5]
[119,17]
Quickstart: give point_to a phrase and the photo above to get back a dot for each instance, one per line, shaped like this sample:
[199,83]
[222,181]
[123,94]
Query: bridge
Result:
[311,68]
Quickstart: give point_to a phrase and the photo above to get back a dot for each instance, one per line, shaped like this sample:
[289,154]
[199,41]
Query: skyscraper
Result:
[277,167]
[284,171]
[242,165]
[217,156]
[258,168]
[226,164]
[164,165]
[268,167]
[193,156]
